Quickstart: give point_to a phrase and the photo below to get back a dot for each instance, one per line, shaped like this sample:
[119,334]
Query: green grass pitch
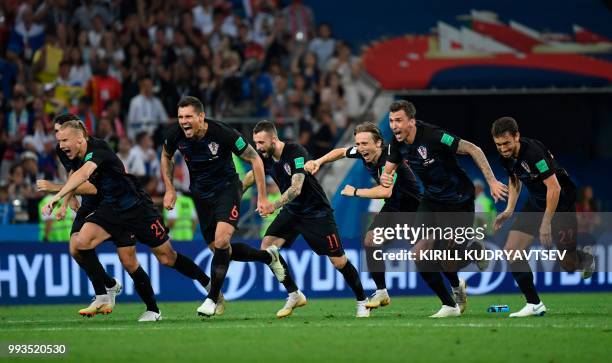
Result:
[577,328]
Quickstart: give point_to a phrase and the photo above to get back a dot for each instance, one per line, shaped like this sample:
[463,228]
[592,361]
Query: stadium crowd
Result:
[123,65]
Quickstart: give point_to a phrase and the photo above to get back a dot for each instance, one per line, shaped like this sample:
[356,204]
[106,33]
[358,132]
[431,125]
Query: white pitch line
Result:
[316,325]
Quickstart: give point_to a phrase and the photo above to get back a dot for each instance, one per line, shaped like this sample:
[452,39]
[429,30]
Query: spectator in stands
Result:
[333,96]
[63,74]
[356,91]
[80,72]
[301,94]
[94,35]
[47,59]
[206,90]
[306,65]
[19,193]
[113,112]
[18,121]
[7,213]
[31,173]
[203,16]
[299,20]
[107,133]
[37,140]
[258,86]
[192,33]
[102,88]
[160,25]
[263,21]
[26,37]
[588,218]
[46,160]
[324,138]
[84,15]
[146,111]
[280,97]
[342,62]
[296,110]
[144,160]
[86,114]
[323,45]
[180,46]
[113,51]
[125,145]
[54,13]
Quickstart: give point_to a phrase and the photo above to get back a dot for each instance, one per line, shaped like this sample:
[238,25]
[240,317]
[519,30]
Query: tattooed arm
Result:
[297,181]
[498,190]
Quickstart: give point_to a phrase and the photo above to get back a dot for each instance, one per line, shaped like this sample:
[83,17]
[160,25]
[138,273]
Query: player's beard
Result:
[271,150]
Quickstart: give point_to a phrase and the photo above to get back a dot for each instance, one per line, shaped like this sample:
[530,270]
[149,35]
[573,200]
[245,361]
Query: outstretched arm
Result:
[312,166]
[377,192]
[47,186]
[498,190]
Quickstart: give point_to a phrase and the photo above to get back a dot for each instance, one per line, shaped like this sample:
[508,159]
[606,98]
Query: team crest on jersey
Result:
[214,147]
[525,166]
[287,168]
[422,151]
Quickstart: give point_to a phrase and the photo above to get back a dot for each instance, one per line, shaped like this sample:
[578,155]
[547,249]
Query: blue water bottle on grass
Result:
[498,309]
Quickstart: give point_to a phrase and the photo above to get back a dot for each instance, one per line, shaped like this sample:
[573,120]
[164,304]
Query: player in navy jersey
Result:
[89,202]
[549,213]
[207,146]
[305,210]
[124,209]
[448,199]
[404,196]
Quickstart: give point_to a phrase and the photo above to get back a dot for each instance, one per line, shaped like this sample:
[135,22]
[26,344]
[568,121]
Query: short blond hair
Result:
[74,124]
